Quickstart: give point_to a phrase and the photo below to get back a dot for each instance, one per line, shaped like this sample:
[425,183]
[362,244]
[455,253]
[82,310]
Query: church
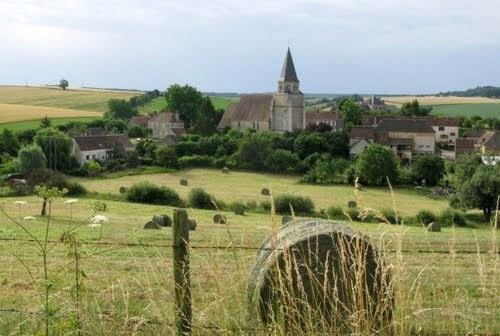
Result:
[280,112]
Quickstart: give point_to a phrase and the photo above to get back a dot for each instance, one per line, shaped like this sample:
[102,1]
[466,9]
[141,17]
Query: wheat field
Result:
[12,113]
[433,100]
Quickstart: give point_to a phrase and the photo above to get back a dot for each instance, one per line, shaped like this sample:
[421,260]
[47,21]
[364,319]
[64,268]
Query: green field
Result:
[128,289]
[158,104]
[468,110]
[22,125]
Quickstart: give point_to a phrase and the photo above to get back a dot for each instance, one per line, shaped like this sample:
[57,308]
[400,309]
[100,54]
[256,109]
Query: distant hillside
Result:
[480,91]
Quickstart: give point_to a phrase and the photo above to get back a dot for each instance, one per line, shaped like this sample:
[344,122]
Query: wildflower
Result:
[94,225]
[20,203]
[99,219]
[71,201]
[29,218]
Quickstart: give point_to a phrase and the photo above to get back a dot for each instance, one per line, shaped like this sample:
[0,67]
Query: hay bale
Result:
[219,218]
[286,219]
[183,182]
[351,204]
[434,227]
[265,192]
[192,224]
[123,190]
[162,220]
[151,226]
[225,170]
[239,210]
[320,273]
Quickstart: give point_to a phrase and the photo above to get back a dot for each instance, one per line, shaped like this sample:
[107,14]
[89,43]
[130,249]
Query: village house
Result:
[330,118]
[166,125]
[374,103]
[282,111]
[405,137]
[446,129]
[489,144]
[141,121]
[96,147]
[464,146]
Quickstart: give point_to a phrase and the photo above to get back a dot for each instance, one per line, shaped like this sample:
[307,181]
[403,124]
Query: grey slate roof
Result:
[251,107]
[404,125]
[288,73]
[102,141]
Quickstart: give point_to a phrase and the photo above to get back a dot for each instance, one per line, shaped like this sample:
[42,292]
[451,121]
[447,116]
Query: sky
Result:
[338,46]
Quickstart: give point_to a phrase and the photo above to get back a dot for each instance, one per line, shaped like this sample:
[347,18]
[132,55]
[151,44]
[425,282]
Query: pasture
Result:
[246,186]
[442,284]
[468,110]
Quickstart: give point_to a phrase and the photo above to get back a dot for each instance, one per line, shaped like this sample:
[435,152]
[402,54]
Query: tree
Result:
[166,157]
[57,147]
[322,127]
[92,168]
[9,144]
[430,168]
[308,143]
[482,190]
[145,147]
[465,167]
[120,108]
[31,158]
[115,125]
[338,143]
[350,112]
[45,123]
[208,117]
[185,100]
[254,150]
[415,109]
[281,161]
[63,84]
[327,171]
[375,164]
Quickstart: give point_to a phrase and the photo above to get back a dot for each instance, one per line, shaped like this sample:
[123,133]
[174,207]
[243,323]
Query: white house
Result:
[96,147]
[446,129]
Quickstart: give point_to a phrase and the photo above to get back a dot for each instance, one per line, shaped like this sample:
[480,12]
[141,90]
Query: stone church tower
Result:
[288,102]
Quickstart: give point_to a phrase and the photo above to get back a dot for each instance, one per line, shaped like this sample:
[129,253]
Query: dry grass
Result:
[12,113]
[432,100]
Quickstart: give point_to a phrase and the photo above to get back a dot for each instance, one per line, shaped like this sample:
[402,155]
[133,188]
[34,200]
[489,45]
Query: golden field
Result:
[12,113]
[432,100]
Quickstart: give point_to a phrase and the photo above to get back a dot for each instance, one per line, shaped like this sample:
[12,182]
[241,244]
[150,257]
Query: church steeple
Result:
[288,73]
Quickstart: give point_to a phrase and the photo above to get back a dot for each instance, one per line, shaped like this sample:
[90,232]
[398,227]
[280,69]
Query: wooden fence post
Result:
[181,272]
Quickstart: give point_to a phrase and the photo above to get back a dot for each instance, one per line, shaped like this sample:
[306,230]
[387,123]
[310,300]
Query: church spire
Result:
[288,73]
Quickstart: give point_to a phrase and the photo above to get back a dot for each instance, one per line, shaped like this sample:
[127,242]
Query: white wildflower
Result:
[20,202]
[71,201]
[99,219]
[29,218]
[94,225]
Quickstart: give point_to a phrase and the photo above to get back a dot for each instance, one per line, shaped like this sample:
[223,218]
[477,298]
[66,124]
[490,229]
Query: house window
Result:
[452,134]
[87,157]
[441,128]
[93,156]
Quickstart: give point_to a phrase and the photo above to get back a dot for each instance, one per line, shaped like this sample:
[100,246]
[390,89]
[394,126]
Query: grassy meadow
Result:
[22,125]
[467,110]
[128,284]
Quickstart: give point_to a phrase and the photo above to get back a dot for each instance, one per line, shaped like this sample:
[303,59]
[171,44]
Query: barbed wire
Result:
[234,247]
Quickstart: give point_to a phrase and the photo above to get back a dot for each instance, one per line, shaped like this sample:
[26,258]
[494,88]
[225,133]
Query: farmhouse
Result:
[464,146]
[489,144]
[280,112]
[166,125]
[446,129]
[96,147]
[139,121]
[330,118]
[405,137]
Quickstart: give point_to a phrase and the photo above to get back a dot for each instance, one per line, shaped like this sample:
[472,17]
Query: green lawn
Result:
[22,125]
[129,289]
[468,110]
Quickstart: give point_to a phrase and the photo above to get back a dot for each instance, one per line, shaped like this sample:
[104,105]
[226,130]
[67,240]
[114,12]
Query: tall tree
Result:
[63,84]
[120,108]
[208,117]
[185,100]
[375,164]
[430,168]
[415,109]
[57,147]
[9,144]
[31,158]
[350,111]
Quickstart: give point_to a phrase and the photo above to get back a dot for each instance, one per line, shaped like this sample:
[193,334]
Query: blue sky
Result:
[339,46]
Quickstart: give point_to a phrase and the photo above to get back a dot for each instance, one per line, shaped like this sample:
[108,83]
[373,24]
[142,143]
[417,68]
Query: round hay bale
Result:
[239,210]
[351,204]
[434,227]
[265,192]
[219,219]
[320,273]
[225,170]
[183,182]
[162,220]
[286,219]
[151,226]
[192,224]
[123,190]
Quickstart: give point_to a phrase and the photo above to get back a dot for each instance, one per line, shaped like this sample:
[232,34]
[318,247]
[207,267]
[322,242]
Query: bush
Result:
[200,199]
[196,161]
[281,161]
[220,162]
[425,217]
[76,189]
[166,157]
[146,192]
[335,212]
[147,161]
[92,168]
[30,158]
[301,205]
[389,216]
[265,205]
[452,217]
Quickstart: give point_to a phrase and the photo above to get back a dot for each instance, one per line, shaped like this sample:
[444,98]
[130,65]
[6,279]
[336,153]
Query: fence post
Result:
[181,272]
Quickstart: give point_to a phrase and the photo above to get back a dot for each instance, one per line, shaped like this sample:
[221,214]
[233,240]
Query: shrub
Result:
[301,205]
[146,192]
[452,217]
[196,161]
[265,192]
[280,161]
[335,212]
[389,216]
[30,158]
[220,162]
[352,204]
[251,205]
[352,214]
[265,205]
[91,168]
[147,161]
[166,157]
[425,217]
[183,182]
[200,199]
[76,189]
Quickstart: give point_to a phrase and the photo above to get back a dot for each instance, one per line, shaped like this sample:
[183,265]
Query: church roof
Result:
[288,73]
[251,107]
